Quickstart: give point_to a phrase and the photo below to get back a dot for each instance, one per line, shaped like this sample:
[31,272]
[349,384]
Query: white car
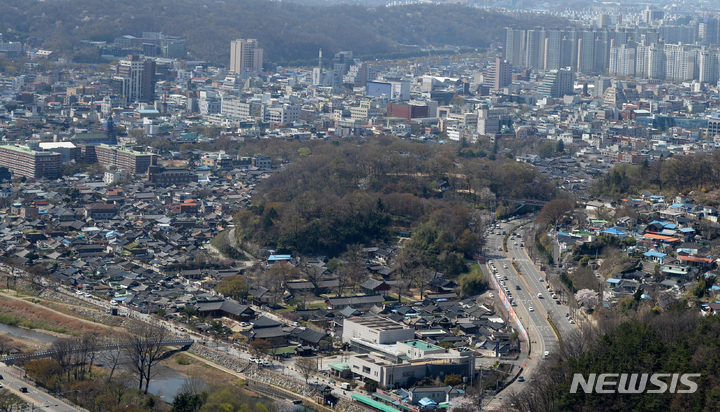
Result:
[540,296]
[87,295]
[505,266]
[530,309]
[265,363]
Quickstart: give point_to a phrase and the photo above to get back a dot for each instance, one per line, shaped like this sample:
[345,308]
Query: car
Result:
[79,292]
[530,309]
[243,324]
[265,363]
[295,324]
[554,296]
[567,315]
[515,243]
[513,303]
[505,267]
[87,295]
[24,389]
[505,277]
[521,379]
[113,303]
[490,261]
[1,386]
[572,322]
[491,295]
[558,302]
[517,287]
[1,377]
[546,354]
[540,296]
[522,245]
[540,279]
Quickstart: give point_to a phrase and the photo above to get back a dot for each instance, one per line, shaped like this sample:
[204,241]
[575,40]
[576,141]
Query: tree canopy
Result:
[287,32]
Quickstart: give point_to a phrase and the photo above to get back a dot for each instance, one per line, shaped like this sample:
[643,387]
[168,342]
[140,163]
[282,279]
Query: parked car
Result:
[521,379]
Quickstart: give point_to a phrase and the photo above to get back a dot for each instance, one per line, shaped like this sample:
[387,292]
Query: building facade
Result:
[167,176]
[30,163]
[121,158]
[245,55]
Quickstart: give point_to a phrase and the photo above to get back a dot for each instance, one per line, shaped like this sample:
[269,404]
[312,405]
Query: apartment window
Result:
[365,369]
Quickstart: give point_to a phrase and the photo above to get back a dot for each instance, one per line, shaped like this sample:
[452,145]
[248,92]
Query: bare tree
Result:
[63,353]
[111,358]
[307,367]
[193,385]
[144,350]
[421,279]
[120,384]
[6,344]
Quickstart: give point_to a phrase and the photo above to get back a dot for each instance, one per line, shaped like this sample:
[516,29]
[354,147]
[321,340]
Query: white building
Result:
[114,176]
[284,114]
[245,55]
[376,330]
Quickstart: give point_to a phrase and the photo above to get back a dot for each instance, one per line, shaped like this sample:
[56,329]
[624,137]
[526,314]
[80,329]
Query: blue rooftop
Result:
[654,254]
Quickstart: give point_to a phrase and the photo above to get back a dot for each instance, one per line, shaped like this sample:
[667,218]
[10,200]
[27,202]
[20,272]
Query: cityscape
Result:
[421,206]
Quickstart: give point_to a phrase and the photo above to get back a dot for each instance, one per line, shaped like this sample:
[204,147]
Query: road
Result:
[531,277]
[35,397]
[524,289]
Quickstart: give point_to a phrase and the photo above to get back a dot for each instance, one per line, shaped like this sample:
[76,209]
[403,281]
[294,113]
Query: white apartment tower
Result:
[245,55]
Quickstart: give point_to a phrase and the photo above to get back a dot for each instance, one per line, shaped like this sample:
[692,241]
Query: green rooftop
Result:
[341,367]
[424,346]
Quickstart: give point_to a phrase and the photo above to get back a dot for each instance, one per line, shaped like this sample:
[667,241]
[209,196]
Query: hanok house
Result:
[225,308]
[268,330]
[362,301]
[375,287]
[310,337]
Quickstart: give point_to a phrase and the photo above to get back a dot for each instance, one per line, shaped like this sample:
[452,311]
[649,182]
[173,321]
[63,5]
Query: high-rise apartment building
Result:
[514,46]
[622,61]
[500,74]
[245,56]
[557,83]
[134,80]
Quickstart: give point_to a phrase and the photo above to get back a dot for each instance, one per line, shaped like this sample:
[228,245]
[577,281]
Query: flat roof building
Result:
[31,163]
[130,160]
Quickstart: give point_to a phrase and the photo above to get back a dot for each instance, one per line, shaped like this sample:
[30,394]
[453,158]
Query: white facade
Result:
[245,55]
[376,330]
[285,114]
[115,176]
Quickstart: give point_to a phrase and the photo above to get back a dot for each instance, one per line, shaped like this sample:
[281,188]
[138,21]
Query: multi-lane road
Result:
[36,399]
[524,288]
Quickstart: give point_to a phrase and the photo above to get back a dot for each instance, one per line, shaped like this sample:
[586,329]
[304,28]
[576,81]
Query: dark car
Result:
[521,379]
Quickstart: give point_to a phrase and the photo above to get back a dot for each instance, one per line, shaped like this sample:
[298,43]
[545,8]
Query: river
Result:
[27,333]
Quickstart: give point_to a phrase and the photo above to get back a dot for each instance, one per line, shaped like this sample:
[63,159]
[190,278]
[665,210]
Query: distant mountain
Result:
[286,31]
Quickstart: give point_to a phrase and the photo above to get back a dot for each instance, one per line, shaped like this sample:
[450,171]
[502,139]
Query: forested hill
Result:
[364,191]
[286,31]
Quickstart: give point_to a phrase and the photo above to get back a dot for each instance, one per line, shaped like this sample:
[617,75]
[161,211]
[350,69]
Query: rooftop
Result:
[377,323]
